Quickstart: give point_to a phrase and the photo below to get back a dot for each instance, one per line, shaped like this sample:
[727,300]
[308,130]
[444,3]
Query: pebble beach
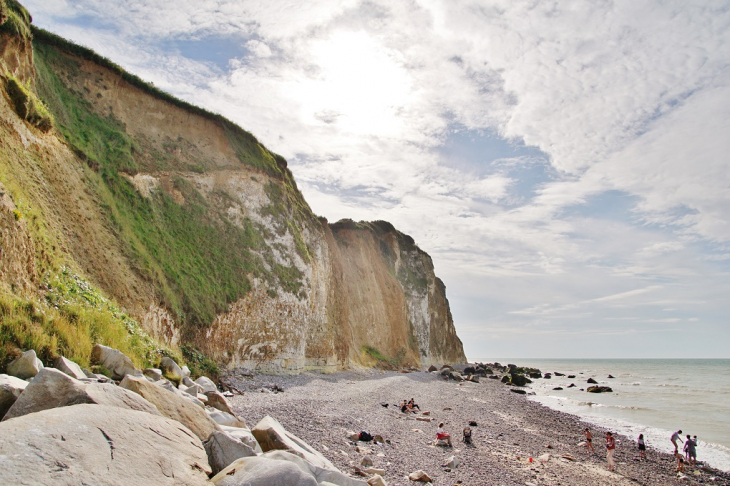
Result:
[515,442]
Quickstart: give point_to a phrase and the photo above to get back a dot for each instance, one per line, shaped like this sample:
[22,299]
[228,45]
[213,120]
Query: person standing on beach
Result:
[674,439]
[589,441]
[690,448]
[642,446]
[610,449]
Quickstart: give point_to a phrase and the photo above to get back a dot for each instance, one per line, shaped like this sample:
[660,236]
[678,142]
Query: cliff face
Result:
[195,228]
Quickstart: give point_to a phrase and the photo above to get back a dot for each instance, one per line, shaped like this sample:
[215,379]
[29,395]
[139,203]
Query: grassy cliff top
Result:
[15,19]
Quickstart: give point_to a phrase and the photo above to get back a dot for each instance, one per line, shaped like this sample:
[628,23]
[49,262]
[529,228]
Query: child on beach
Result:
[680,464]
[610,449]
[441,434]
[674,439]
[589,442]
[642,446]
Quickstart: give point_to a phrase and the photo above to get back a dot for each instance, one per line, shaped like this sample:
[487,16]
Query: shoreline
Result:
[511,429]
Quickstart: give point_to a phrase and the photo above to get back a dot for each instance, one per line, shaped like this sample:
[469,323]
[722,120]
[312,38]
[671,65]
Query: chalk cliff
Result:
[192,226]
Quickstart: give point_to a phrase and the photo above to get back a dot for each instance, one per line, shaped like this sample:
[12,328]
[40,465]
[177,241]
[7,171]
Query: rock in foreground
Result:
[96,444]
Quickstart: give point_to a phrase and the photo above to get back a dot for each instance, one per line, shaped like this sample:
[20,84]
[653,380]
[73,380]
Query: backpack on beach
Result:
[365,437]
[467,435]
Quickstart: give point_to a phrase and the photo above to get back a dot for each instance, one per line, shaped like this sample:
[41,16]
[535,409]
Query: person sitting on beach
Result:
[412,406]
[674,439]
[690,451]
[441,434]
[610,449]
[642,446]
[404,406]
[680,464]
[589,441]
[467,435]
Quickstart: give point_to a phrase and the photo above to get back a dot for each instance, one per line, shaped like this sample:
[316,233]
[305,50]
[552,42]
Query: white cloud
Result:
[630,98]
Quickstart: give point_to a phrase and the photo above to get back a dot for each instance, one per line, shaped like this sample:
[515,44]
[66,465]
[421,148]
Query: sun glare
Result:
[360,85]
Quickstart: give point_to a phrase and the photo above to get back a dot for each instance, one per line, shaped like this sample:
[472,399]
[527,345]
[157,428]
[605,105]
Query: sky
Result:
[566,164]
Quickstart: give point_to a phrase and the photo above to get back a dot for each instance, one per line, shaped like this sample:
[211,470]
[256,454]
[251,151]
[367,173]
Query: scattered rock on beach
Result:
[377,480]
[432,368]
[69,367]
[591,380]
[420,475]
[223,449]
[10,389]
[571,376]
[518,391]
[271,435]
[115,361]
[611,376]
[366,461]
[558,388]
[599,389]
[572,385]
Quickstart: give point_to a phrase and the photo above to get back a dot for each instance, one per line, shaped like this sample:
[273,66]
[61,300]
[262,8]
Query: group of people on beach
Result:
[409,406]
[690,448]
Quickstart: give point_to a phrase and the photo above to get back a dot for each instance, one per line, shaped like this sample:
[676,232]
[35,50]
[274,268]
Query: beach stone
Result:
[223,418]
[424,419]
[571,376]
[366,461]
[378,439]
[185,371]
[222,449]
[207,384]
[558,374]
[25,366]
[193,390]
[10,389]
[217,400]
[591,380]
[353,435]
[558,388]
[69,367]
[173,406]
[171,370]
[244,435]
[97,444]
[271,435]
[518,379]
[611,376]
[52,388]
[599,389]
[535,374]
[452,462]
[572,385]
[377,480]
[518,391]
[469,370]
[432,368]
[547,376]
[115,361]
[543,457]
[374,470]
[154,374]
[420,475]
[280,468]
[505,379]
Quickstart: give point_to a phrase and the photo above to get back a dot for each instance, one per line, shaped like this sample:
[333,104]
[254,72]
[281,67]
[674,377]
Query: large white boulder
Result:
[69,367]
[96,444]
[25,366]
[207,384]
[10,389]
[115,361]
[223,449]
[280,468]
[244,435]
[52,388]
[271,435]
[173,406]
[223,418]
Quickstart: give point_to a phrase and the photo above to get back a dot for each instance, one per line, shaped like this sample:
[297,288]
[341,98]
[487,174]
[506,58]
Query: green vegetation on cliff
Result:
[14,19]
[197,258]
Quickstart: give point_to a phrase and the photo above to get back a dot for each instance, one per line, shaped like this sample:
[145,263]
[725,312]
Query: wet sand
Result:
[510,430]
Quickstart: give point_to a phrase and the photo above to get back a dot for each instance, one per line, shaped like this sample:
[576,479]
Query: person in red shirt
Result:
[610,448]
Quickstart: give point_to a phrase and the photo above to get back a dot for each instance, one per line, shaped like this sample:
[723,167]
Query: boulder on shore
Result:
[69,367]
[591,380]
[599,389]
[26,366]
[271,435]
[115,361]
[96,444]
[171,370]
[172,406]
[222,449]
[10,389]
[280,468]
[52,388]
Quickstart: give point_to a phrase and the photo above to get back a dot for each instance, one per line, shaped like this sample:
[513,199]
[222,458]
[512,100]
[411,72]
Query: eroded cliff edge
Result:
[196,229]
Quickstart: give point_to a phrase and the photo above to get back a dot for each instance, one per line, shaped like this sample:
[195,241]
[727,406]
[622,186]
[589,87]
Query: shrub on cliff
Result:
[27,105]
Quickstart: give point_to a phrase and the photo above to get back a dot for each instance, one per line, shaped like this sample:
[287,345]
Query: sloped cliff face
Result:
[196,229]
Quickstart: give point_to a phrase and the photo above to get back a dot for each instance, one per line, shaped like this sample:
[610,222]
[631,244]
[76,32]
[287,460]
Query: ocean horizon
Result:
[654,397]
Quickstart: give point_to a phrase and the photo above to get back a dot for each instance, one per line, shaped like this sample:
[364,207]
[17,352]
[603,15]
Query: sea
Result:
[654,397]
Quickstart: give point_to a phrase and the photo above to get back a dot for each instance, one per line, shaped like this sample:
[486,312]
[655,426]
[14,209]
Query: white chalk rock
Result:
[367,461]
[185,371]
[223,449]
[280,468]
[217,400]
[96,444]
[452,462]
[10,389]
[224,418]
[26,366]
[374,470]
[115,361]
[543,457]
[172,406]
[377,480]
[154,374]
[271,435]
[420,475]
[69,367]
[207,384]
[52,388]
